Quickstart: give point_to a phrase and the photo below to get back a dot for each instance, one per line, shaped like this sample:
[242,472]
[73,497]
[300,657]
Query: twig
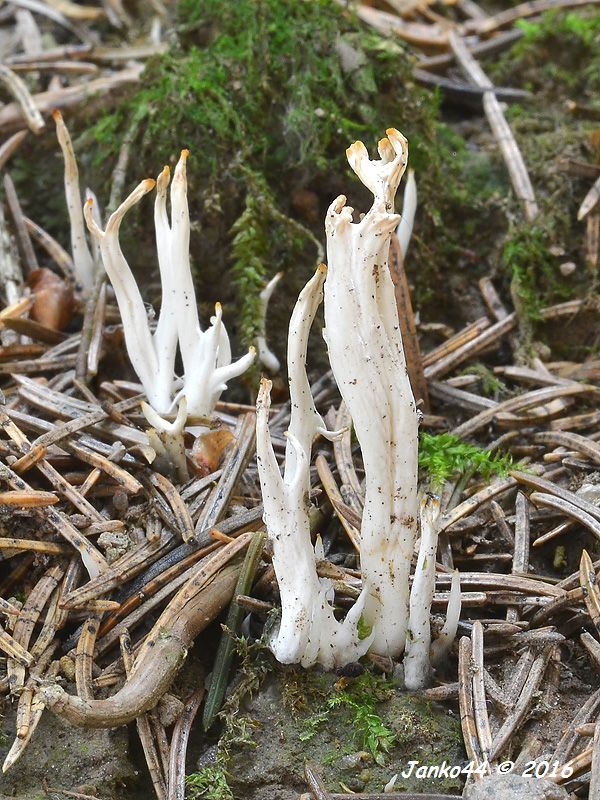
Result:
[500,127]
[181,732]
[25,102]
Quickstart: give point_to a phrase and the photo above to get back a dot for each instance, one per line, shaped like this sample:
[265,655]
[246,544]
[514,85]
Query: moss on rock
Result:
[357,732]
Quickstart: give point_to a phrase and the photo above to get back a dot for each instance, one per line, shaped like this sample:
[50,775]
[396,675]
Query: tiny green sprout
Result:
[209,783]
[444,455]
[363,628]
[560,557]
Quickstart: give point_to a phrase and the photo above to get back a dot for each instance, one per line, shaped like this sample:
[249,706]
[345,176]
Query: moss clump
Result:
[444,455]
[267,123]
[558,60]
[357,732]
[558,52]
[209,783]
[361,698]
[535,279]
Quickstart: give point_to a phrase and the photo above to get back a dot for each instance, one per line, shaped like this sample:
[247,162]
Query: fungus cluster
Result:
[364,342]
[152,349]
[206,355]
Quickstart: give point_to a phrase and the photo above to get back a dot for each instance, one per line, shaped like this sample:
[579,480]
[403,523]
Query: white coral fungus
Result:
[308,632]
[206,355]
[367,359]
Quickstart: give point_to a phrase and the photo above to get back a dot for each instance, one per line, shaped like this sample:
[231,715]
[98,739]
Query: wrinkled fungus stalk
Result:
[166,438]
[206,355]
[308,632]
[441,646]
[152,355]
[367,358]
[420,653]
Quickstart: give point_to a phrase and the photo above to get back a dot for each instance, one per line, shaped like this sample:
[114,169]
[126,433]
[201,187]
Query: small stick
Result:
[27,619]
[408,328]
[120,170]
[333,493]
[194,606]
[236,463]
[12,114]
[593,648]
[472,347]
[47,470]
[521,547]
[595,776]
[11,277]
[226,648]
[28,327]
[66,67]
[95,302]
[480,713]
[315,783]
[25,102]
[76,795]
[180,510]
[590,200]
[93,560]
[502,524]
[589,584]
[55,250]
[36,708]
[500,127]
[84,657]
[555,606]
[35,546]
[572,511]
[426,36]
[523,401]
[592,241]
[528,9]
[28,499]
[179,741]
[489,47]
[10,146]
[117,452]
[342,449]
[521,707]
[468,506]
[463,337]
[118,573]
[571,736]
[13,649]
[465,701]
[51,54]
[143,728]
[22,233]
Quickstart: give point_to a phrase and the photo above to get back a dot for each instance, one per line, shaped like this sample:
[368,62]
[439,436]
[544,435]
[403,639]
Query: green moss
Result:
[323,717]
[264,117]
[209,783]
[362,697]
[490,384]
[558,61]
[444,455]
[560,52]
[533,271]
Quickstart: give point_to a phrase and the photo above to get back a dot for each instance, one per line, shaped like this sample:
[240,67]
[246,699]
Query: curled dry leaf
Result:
[54,301]
[208,450]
